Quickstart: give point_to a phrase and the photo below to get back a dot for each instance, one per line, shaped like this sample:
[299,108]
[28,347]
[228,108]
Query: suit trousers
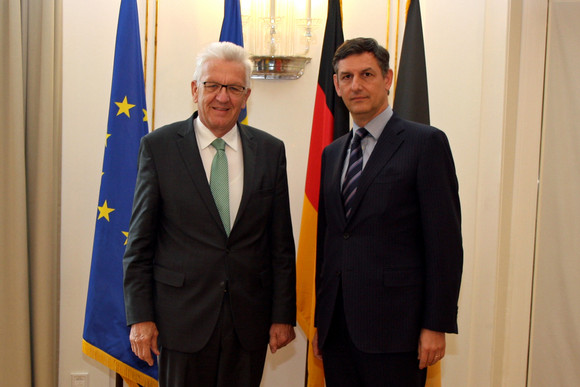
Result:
[223,362]
[347,366]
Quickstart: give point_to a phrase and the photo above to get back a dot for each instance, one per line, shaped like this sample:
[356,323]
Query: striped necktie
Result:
[355,164]
[219,182]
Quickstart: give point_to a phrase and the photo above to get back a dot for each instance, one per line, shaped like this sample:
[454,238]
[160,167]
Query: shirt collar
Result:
[376,126]
[205,137]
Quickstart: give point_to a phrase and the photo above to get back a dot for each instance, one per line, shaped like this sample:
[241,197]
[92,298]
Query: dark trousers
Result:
[347,366]
[221,363]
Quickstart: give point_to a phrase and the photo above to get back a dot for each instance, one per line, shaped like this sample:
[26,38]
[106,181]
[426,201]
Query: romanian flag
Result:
[106,335]
[331,120]
[412,99]
[232,32]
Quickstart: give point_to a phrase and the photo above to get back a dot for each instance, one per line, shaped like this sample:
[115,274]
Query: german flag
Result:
[330,121]
[411,94]
[412,100]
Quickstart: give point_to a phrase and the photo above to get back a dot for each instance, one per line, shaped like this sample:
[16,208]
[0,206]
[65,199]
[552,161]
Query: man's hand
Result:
[280,336]
[431,347]
[143,337]
[315,350]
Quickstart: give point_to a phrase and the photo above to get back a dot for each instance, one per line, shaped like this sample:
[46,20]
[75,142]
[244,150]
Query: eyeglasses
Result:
[215,87]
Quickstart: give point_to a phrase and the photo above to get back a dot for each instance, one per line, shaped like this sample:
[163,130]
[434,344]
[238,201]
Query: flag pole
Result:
[154,66]
[118,380]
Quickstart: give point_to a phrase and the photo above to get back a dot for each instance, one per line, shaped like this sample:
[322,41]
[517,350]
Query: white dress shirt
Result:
[375,128]
[235,157]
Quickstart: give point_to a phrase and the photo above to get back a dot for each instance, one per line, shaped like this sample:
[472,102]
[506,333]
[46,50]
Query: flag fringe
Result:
[126,371]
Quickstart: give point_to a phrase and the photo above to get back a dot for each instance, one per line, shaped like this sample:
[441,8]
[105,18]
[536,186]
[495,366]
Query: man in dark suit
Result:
[389,252]
[211,278]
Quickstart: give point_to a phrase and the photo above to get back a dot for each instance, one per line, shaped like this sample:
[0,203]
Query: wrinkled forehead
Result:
[220,68]
[357,63]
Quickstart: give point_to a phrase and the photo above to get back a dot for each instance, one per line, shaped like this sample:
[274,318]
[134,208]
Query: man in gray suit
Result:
[389,252]
[210,262]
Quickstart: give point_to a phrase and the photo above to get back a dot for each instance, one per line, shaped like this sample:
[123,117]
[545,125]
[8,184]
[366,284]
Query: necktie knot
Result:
[219,144]
[358,136]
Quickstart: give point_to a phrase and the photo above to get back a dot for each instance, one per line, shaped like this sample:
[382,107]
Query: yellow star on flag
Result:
[124,107]
[145,119]
[104,211]
[126,233]
[106,138]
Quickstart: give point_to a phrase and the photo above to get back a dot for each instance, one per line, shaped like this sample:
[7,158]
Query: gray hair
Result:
[226,51]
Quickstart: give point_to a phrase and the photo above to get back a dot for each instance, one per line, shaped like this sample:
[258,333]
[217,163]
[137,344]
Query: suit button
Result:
[346,235]
[338,273]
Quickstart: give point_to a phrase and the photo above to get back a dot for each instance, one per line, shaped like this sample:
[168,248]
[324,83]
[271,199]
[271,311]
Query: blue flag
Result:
[232,32]
[106,335]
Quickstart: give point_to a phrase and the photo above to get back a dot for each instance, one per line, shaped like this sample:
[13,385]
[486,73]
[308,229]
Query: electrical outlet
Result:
[79,379]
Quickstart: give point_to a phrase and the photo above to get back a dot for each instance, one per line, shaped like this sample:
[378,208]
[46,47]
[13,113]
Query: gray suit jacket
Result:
[179,262]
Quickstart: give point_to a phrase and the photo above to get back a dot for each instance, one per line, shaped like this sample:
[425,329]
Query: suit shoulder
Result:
[419,128]
[431,133]
[168,130]
[260,135]
[338,143]
[426,138]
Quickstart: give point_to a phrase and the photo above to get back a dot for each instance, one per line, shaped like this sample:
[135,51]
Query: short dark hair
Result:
[360,46]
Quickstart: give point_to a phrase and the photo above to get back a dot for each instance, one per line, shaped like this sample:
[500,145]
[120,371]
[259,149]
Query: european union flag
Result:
[232,32]
[106,335]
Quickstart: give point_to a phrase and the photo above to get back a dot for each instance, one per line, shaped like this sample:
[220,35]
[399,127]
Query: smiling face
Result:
[219,110]
[360,83]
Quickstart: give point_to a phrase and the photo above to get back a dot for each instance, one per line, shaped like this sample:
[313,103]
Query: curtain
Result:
[30,148]
[555,332]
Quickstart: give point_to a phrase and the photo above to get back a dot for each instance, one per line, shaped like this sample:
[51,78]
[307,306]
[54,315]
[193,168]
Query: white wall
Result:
[465,42]
[88,47]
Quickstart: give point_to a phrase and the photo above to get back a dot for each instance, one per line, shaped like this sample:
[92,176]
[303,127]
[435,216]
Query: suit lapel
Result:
[249,148]
[189,151]
[388,143]
[336,162]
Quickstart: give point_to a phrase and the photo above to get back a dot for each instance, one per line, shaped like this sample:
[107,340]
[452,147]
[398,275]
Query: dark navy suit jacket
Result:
[399,257]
